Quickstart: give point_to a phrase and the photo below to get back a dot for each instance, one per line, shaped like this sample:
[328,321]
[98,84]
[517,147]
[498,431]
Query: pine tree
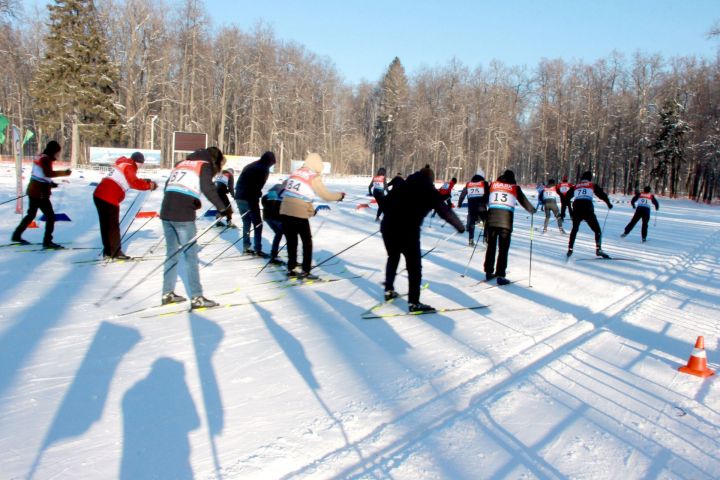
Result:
[669,145]
[76,81]
[388,126]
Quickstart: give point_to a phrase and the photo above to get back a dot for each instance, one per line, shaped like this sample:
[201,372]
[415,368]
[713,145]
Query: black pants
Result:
[475,216]
[578,217]
[407,244]
[565,205]
[497,237]
[379,196]
[641,213]
[44,205]
[109,216]
[292,228]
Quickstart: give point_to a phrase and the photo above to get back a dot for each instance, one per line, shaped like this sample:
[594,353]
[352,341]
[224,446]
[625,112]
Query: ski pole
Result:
[346,249]
[470,259]
[250,230]
[532,232]
[136,231]
[655,221]
[16,198]
[438,243]
[606,216]
[180,249]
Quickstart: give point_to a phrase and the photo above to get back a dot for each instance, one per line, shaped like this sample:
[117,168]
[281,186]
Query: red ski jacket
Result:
[121,178]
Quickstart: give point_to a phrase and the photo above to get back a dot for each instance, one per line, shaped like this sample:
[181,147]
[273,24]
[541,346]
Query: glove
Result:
[153,185]
[68,171]
[461,228]
[227,212]
[610,206]
[342,196]
[53,185]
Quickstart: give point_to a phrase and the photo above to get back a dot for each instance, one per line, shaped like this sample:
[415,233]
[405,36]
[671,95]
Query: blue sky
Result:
[362,37]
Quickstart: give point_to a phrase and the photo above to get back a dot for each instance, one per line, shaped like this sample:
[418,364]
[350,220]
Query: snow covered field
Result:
[574,377]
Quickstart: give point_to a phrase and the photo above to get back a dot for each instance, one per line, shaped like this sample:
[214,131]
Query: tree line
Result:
[130,72]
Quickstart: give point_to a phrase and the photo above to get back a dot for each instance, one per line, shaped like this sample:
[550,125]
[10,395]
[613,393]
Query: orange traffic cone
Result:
[697,365]
[33,225]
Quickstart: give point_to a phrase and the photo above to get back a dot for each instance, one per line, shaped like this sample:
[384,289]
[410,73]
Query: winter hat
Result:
[138,157]
[509,176]
[268,158]
[551,182]
[564,178]
[586,175]
[314,162]
[52,149]
[647,189]
[428,172]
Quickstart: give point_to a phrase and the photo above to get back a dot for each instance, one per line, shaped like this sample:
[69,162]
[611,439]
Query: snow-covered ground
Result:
[574,377]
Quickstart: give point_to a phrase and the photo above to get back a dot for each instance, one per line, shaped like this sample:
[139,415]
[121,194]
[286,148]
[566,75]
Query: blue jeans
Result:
[176,235]
[276,227]
[251,215]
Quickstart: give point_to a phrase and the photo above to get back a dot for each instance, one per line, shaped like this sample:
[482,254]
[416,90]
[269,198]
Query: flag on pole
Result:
[4,122]
[18,168]
[28,135]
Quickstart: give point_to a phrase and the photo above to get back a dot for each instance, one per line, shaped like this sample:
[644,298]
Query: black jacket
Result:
[251,181]
[583,206]
[409,202]
[478,204]
[499,218]
[178,207]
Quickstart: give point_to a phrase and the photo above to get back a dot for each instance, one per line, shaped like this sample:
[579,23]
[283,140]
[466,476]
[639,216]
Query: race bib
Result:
[117,176]
[644,201]
[378,182]
[550,194]
[299,185]
[583,191]
[475,190]
[185,178]
[503,196]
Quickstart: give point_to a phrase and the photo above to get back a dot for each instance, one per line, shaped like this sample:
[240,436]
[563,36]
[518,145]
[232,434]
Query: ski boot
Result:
[276,261]
[502,281]
[390,294]
[489,276]
[471,243]
[569,252]
[599,252]
[52,246]
[293,273]
[308,276]
[172,297]
[623,235]
[420,308]
[19,239]
[202,302]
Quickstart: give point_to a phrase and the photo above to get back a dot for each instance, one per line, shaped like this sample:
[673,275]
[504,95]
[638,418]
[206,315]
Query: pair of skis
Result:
[374,313]
[172,309]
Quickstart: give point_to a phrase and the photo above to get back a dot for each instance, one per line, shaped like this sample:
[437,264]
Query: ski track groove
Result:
[386,442]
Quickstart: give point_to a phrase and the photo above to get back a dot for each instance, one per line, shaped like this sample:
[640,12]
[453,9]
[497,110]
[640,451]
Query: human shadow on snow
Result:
[158,415]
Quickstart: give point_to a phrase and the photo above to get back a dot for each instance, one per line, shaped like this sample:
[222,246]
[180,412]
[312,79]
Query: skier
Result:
[477,193]
[563,188]
[296,210]
[378,189]
[504,195]
[247,195]
[539,188]
[108,196]
[405,208]
[190,179]
[583,210]
[271,202]
[38,191]
[641,203]
[224,182]
[397,179]
[445,193]
[549,197]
